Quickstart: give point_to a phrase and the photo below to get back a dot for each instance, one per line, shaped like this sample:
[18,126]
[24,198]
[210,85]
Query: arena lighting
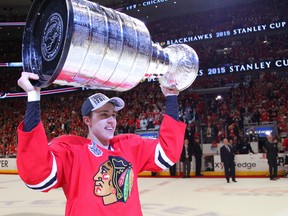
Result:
[12,23]
[219,97]
[11,64]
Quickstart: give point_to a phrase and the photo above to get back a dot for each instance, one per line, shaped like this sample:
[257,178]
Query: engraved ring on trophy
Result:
[83,44]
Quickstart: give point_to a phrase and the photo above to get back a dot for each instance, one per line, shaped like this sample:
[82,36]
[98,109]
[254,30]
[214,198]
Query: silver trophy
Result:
[81,43]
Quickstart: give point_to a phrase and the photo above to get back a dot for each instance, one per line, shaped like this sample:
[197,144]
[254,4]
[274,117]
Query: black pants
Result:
[172,170]
[186,168]
[229,169]
[273,169]
[198,164]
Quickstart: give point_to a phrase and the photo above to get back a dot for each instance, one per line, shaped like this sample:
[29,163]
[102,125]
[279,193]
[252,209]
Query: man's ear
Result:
[86,120]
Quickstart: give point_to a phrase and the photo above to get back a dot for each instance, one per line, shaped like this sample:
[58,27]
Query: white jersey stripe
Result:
[50,181]
[161,158]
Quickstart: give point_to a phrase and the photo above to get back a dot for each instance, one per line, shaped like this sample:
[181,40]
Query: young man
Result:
[98,174]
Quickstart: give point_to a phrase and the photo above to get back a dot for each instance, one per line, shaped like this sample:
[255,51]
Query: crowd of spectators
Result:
[258,97]
[220,19]
[243,48]
[263,99]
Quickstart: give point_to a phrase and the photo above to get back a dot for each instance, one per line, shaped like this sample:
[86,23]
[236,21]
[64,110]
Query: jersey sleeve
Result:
[36,163]
[165,151]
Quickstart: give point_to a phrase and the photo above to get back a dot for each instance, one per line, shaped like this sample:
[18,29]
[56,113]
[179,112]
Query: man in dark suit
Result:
[186,158]
[227,160]
[189,134]
[197,151]
[271,155]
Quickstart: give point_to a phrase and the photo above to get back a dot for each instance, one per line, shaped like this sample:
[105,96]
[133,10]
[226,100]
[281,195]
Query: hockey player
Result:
[97,173]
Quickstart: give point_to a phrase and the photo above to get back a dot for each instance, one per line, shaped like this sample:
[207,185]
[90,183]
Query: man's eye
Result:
[105,115]
[108,115]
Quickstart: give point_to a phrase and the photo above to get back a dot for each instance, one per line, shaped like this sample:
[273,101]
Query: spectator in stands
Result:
[285,144]
[236,143]
[272,155]
[214,147]
[245,147]
[186,158]
[2,150]
[227,160]
[97,171]
[150,121]
[143,123]
[210,133]
[247,118]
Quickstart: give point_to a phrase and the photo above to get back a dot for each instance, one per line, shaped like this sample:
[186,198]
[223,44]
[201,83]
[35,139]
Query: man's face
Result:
[102,123]
[270,138]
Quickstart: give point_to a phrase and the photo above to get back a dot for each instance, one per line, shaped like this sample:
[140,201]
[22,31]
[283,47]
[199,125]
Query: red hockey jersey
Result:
[96,181]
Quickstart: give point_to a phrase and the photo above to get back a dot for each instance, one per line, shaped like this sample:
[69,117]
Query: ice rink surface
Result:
[164,196]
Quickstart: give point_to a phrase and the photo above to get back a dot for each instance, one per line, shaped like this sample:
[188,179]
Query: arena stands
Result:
[255,96]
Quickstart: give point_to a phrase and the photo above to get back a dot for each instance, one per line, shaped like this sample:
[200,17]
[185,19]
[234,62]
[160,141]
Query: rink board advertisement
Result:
[8,165]
[250,163]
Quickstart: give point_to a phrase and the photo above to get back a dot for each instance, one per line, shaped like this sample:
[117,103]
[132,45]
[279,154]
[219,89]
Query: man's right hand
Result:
[25,83]
[167,91]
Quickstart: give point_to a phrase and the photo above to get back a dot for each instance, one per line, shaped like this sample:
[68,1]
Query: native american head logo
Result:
[114,180]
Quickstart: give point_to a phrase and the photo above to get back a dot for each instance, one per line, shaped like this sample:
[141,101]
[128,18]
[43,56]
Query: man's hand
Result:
[167,91]
[25,83]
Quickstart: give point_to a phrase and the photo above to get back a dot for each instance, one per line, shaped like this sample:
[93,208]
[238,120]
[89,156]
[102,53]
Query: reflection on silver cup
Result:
[80,43]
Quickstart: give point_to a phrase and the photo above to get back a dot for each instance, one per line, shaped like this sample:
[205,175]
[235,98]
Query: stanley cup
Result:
[83,44]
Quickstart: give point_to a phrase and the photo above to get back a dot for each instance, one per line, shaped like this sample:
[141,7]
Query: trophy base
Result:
[44,40]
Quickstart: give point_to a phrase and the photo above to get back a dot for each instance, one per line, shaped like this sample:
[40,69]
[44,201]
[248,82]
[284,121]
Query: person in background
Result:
[98,173]
[186,158]
[189,134]
[245,147]
[271,150]
[143,123]
[227,160]
[2,150]
[197,151]
[235,143]
[285,144]
[172,170]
